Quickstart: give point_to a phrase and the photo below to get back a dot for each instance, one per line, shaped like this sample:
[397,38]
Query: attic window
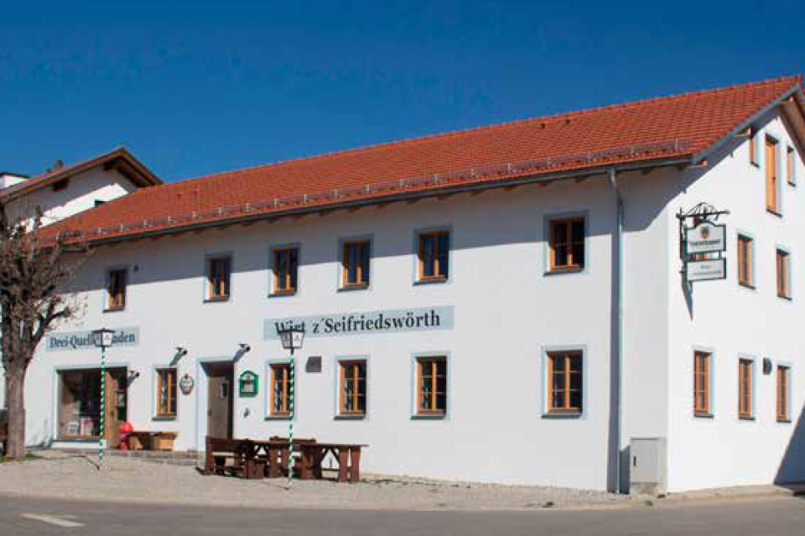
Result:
[60,185]
[99,202]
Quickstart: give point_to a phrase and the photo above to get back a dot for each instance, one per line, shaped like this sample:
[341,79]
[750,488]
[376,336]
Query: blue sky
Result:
[197,87]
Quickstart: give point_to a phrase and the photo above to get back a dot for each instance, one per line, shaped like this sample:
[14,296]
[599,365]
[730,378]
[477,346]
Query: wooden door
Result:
[116,389]
[220,400]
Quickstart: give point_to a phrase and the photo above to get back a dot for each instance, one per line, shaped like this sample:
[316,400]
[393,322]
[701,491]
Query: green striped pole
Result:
[103,406]
[290,425]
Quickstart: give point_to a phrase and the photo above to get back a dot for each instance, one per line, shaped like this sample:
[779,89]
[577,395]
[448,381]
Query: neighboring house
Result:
[479,304]
[67,190]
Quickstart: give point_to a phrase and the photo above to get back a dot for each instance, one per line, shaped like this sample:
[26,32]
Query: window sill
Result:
[774,213]
[114,309]
[431,281]
[562,415]
[428,416]
[755,164]
[350,417]
[784,421]
[746,418]
[282,293]
[287,417]
[568,270]
[702,415]
[785,298]
[747,286]
[217,299]
[162,418]
[350,288]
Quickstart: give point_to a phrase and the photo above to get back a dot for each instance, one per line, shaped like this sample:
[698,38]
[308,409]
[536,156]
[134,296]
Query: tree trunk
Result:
[15,402]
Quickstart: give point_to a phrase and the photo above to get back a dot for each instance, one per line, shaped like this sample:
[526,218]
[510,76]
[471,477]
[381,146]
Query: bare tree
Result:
[35,272]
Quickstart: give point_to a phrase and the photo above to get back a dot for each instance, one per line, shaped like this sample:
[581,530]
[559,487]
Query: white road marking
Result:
[59,521]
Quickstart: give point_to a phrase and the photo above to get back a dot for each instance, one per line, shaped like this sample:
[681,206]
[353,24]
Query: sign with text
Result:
[83,340]
[345,324]
[707,270]
[706,237]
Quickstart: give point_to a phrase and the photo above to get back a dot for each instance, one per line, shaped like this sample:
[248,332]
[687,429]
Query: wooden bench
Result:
[232,457]
[144,440]
[276,457]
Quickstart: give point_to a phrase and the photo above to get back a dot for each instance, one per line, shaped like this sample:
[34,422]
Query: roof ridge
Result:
[516,122]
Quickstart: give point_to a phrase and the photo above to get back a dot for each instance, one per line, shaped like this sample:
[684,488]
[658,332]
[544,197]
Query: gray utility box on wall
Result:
[647,465]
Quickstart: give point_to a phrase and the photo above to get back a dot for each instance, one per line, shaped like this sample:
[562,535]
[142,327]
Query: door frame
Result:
[202,396]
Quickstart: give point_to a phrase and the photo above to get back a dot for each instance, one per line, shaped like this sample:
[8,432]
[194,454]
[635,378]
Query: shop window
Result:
[166,393]
[355,264]
[565,383]
[280,403]
[116,289]
[286,270]
[353,387]
[772,180]
[431,386]
[783,393]
[745,259]
[80,404]
[701,384]
[434,256]
[219,274]
[745,395]
[566,244]
[791,166]
[783,274]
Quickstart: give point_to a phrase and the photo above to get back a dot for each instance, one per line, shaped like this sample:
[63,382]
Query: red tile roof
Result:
[681,126]
[137,172]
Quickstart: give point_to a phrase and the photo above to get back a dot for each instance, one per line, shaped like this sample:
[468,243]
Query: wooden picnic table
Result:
[313,453]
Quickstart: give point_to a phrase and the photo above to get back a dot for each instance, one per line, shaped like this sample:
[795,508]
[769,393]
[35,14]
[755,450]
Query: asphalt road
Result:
[770,516]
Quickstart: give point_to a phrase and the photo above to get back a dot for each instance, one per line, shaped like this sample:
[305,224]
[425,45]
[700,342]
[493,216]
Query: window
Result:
[783,274]
[565,382]
[567,244]
[431,386]
[790,166]
[701,384]
[61,185]
[353,388]
[355,262]
[745,388]
[286,269]
[99,202]
[280,390]
[218,275]
[116,289]
[434,256]
[745,258]
[166,392]
[783,386]
[753,150]
[772,186]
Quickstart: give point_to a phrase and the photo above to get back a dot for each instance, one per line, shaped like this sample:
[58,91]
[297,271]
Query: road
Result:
[776,516]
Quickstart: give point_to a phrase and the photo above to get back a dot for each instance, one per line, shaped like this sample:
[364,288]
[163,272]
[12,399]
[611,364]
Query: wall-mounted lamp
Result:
[130,377]
[243,349]
[181,351]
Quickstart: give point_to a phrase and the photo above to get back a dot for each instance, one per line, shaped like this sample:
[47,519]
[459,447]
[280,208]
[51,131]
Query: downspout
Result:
[618,331]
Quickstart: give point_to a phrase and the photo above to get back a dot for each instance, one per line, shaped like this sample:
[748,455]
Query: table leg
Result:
[343,461]
[285,459]
[306,473]
[355,465]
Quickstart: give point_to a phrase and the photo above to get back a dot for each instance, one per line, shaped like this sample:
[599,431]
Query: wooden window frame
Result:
[568,357]
[423,363]
[285,395]
[746,269]
[783,271]
[702,378]
[783,393]
[363,278]
[791,165]
[164,404]
[746,389]
[440,273]
[117,285]
[284,288]
[771,148]
[753,148]
[219,278]
[354,375]
[572,265]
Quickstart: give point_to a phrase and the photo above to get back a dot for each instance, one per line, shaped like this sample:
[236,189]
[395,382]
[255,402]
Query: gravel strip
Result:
[75,476]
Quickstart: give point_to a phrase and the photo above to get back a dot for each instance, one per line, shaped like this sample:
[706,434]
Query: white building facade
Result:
[518,332]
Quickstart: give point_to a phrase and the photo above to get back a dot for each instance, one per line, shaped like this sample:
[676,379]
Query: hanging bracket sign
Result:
[703,243]
[706,270]
[706,237]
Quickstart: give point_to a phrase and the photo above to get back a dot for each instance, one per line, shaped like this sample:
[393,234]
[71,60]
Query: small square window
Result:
[355,264]
[431,386]
[434,256]
[565,383]
[219,271]
[566,243]
[286,270]
[352,388]
[116,289]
